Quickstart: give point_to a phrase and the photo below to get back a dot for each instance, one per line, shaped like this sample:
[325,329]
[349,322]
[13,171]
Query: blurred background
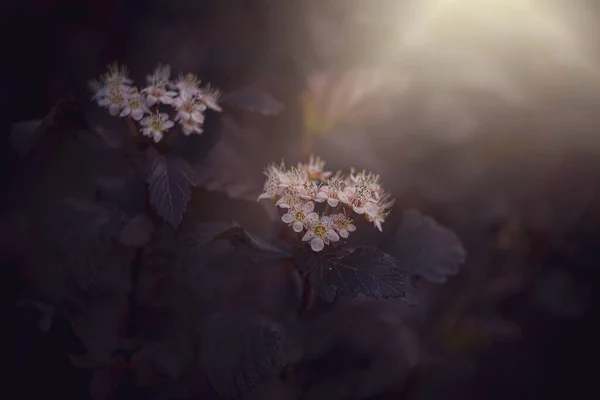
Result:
[483,114]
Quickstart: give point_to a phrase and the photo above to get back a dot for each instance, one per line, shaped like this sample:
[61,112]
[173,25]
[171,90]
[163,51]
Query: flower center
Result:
[343,223]
[116,99]
[157,125]
[320,231]
[299,216]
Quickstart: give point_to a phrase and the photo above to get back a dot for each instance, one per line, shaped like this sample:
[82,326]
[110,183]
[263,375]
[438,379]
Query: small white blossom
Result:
[156,91]
[155,125]
[315,169]
[382,212]
[362,193]
[294,178]
[115,100]
[331,191]
[190,127]
[272,187]
[290,198]
[112,87]
[343,224]
[210,98]
[319,231]
[188,85]
[296,216]
[134,106]
[188,107]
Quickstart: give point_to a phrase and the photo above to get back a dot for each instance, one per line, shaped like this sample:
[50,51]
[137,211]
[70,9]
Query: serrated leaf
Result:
[169,185]
[240,350]
[426,249]
[202,235]
[80,233]
[243,239]
[100,138]
[24,135]
[137,231]
[255,101]
[367,270]
[234,165]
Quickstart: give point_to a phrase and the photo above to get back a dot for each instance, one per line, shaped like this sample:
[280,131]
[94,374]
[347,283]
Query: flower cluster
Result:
[299,189]
[114,91]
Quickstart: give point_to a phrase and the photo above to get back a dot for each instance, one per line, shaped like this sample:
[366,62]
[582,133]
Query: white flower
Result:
[272,187]
[310,190]
[115,100]
[134,106]
[296,216]
[117,76]
[343,224]
[155,125]
[319,231]
[188,107]
[294,178]
[381,213]
[362,193]
[156,91]
[190,127]
[290,197]
[331,191]
[315,169]
[210,98]
[188,85]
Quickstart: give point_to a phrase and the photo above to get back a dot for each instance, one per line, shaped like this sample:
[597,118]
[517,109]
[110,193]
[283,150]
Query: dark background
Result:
[51,48]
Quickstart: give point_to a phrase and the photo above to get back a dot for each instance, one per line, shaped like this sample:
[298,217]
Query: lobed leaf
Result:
[240,350]
[426,249]
[137,231]
[169,183]
[366,270]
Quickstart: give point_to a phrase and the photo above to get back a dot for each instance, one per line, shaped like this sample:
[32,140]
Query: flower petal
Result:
[308,207]
[312,218]
[125,112]
[298,227]
[327,221]
[113,110]
[333,202]
[309,235]
[168,124]
[287,218]
[137,114]
[343,233]
[317,244]
[331,235]
[198,117]
[151,100]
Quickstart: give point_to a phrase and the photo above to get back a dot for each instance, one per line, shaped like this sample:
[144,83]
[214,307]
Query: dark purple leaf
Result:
[101,138]
[202,235]
[80,232]
[25,134]
[136,232]
[240,350]
[255,101]
[169,182]
[366,270]
[426,249]
[234,165]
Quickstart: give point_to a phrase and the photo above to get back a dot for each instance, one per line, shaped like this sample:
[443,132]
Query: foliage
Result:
[192,307]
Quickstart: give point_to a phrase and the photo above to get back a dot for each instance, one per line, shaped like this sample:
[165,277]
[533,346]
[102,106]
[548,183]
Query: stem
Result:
[309,296]
[131,126]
